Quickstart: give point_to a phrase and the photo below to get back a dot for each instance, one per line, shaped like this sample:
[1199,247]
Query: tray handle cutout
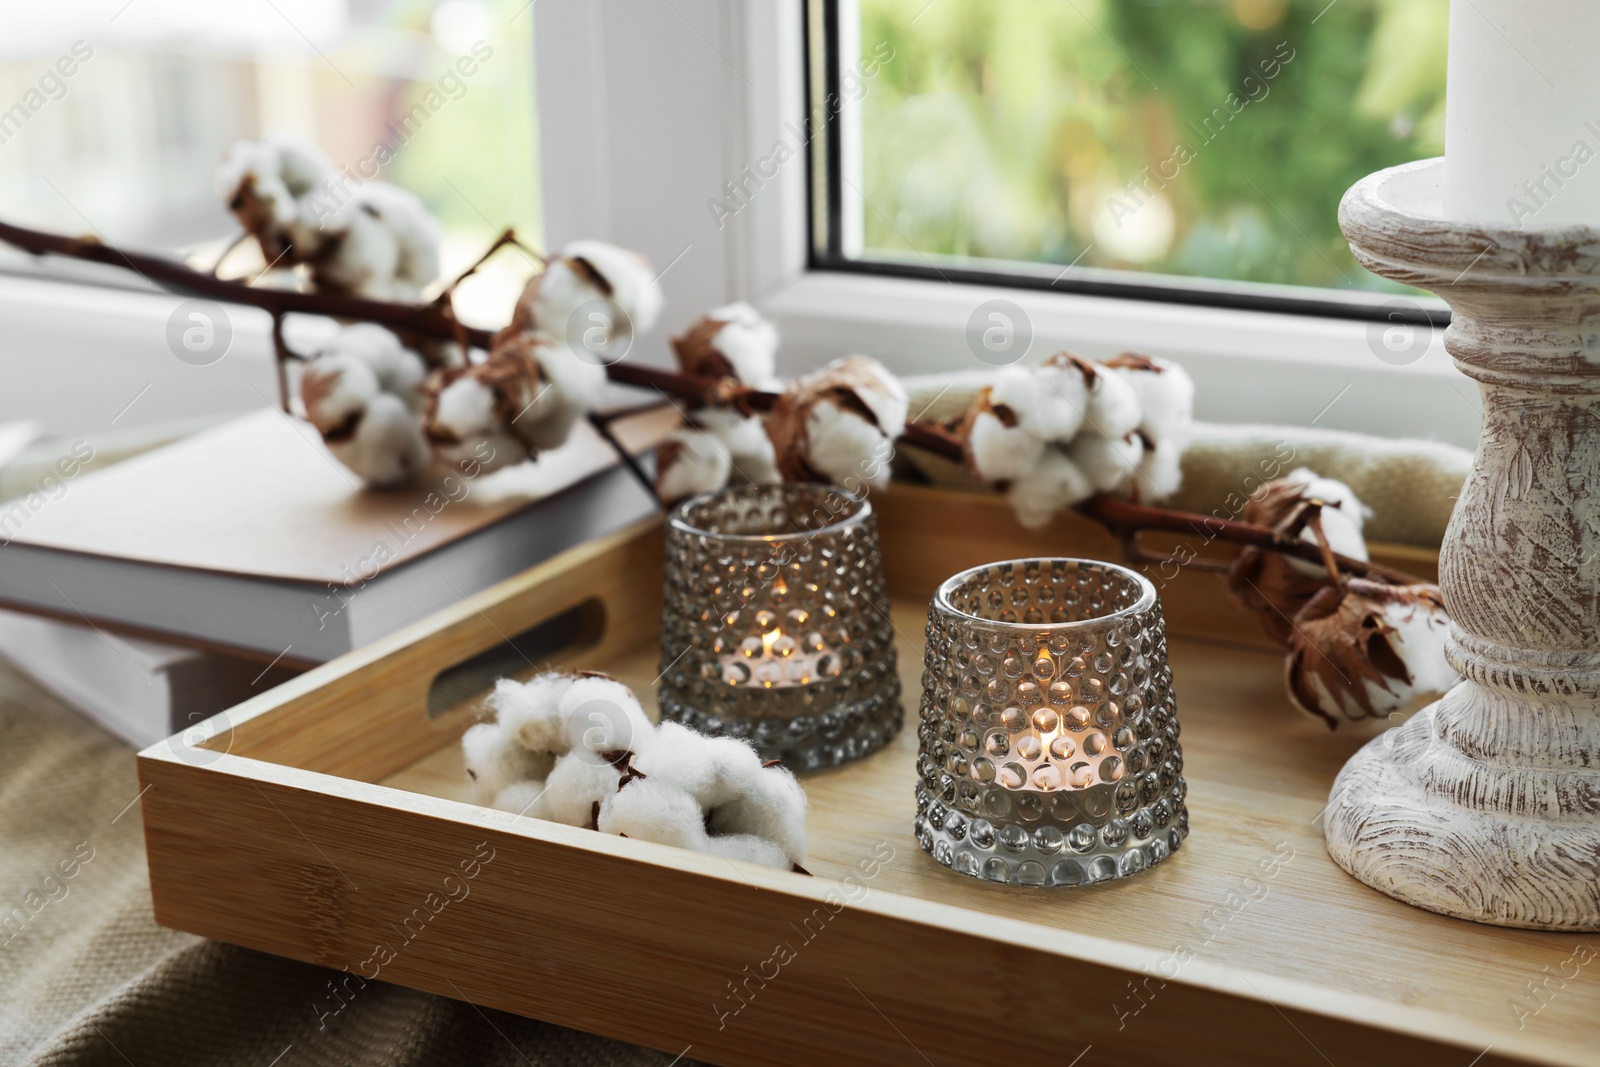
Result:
[538,648]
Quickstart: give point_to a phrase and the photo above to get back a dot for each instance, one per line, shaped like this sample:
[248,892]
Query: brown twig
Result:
[281,356]
[423,319]
[507,237]
[603,428]
[235,243]
[1123,517]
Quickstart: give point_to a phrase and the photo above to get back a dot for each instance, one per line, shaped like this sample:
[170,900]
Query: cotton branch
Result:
[1124,519]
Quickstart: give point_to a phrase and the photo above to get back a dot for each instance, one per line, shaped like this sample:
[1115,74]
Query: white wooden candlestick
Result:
[1486,805]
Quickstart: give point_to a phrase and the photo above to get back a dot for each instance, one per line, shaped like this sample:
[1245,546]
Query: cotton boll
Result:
[1165,392]
[386,446]
[578,782]
[1001,453]
[749,342]
[1114,409]
[1054,482]
[839,424]
[588,271]
[748,848]
[265,183]
[845,448]
[769,804]
[731,341]
[495,760]
[399,370]
[463,424]
[1342,519]
[360,393]
[576,387]
[602,715]
[688,760]
[1160,473]
[1108,464]
[385,246]
[690,462]
[525,798]
[879,390]
[336,388]
[1420,630]
[1368,650]
[649,810]
[371,239]
[1047,401]
[414,230]
[498,412]
[746,441]
[531,711]
[727,778]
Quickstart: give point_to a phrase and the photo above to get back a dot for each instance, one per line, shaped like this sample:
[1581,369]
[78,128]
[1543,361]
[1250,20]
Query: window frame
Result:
[646,111]
[836,222]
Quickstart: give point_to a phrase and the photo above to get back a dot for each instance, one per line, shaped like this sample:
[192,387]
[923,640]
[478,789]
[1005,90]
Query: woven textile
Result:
[87,977]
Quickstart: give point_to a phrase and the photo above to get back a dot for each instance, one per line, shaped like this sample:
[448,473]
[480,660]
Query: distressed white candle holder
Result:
[1486,805]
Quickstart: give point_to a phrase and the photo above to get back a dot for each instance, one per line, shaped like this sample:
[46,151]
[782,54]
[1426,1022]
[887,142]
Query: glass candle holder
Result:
[775,623]
[1048,744]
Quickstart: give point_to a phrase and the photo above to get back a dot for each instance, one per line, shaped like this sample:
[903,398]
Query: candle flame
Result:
[770,639]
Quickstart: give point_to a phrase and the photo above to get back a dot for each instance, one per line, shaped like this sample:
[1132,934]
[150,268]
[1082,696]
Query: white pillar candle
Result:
[1522,113]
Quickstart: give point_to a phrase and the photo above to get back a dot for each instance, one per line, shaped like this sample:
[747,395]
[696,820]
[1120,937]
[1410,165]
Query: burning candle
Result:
[1048,748]
[775,623]
[1522,113]
[773,659]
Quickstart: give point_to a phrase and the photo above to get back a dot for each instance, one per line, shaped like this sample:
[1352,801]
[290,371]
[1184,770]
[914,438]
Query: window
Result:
[1178,150]
[114,115]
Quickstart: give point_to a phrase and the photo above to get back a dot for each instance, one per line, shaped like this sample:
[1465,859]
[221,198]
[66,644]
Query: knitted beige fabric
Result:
[1411,485]
[87,977]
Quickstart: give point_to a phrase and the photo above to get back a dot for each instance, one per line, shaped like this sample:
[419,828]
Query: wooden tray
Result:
[321,823]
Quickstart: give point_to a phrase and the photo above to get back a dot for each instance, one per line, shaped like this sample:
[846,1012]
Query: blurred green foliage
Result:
[1009,129]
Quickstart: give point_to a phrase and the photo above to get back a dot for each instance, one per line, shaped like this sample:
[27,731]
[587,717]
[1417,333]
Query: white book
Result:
[249,538]
[139,690]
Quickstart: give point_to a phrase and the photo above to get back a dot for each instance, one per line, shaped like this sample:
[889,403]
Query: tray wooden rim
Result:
[252,727]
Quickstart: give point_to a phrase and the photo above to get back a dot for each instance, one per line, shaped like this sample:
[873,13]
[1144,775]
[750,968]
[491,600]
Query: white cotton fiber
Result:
[768,803]
[1166,396]
[746,441]
[525,798]
[846,448]
[602,715]
[1002,453]
[748,342]
[1049,401]
[748,848]
[579,781]
[1342,519]
[1108,464]
[650,810]
[531,711]
[1053,483]
[1113,409]
[494,759]
[1160,473]
[690,462]
[387,447]
[621,774]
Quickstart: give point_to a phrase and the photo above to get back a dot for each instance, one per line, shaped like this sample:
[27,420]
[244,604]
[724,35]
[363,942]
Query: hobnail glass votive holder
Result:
[1048,745]
[775,623]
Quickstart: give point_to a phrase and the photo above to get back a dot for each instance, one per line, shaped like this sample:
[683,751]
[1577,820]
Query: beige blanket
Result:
[87,977]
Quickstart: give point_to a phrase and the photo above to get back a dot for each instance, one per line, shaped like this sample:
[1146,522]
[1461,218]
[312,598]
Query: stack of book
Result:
[158,591]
